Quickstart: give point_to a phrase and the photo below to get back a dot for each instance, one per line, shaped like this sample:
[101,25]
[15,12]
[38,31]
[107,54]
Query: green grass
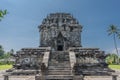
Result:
[4,67]
[114,66]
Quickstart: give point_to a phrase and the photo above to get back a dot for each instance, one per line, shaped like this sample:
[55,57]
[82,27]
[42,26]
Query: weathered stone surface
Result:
[38,77]
[80,77]
[46,58]
[72,59]
[60,30]
[6,77]
[31,58]
[60,54]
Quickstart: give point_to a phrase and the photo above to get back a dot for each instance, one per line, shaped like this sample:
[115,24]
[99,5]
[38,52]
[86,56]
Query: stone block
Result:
[6,77]
[38,77]
[80,77]
[114,77]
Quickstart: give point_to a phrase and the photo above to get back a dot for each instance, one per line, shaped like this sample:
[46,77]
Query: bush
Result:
[113,59]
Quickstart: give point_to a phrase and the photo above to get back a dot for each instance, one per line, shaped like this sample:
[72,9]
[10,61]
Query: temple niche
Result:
[60,55]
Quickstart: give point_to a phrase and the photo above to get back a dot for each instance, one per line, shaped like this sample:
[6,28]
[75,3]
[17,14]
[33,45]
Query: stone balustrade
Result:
[46,58]
[72,59]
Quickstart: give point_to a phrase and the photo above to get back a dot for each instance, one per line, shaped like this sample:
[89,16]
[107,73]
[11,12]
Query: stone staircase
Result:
[59,70]
[59,66]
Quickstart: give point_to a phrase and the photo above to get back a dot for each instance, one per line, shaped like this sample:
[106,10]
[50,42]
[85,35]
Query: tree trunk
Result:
[116,47]
[115,44]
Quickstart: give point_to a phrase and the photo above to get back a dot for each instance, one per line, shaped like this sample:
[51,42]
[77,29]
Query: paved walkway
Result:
[19,78]
[86,78]
[33,77]
[2,72]
[100,78]
[103,77]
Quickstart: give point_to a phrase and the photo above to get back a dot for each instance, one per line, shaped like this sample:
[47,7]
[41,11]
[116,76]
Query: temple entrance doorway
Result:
[60,42]
[60,47]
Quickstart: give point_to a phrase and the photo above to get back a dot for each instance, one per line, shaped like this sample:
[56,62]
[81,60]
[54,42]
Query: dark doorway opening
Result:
[60,48]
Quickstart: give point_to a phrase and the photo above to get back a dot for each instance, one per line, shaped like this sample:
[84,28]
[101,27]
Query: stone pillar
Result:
[114,77]
[6,77]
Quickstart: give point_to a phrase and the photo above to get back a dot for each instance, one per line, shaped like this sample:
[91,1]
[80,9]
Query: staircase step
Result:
[59,68]
[60,65]
[61,77]
[59,73]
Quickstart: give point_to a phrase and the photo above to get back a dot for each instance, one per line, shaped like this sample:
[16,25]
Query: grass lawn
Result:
[4,67]
[114,66]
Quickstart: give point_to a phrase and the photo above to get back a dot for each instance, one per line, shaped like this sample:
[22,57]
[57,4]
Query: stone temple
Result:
[60,55]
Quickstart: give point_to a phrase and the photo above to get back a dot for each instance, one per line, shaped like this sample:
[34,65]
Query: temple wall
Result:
[53,24]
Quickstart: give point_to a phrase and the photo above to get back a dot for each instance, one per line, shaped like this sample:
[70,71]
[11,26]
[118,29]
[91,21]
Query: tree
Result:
[112,58]
[2,14]
[1,51]
[115,32]
[11,51]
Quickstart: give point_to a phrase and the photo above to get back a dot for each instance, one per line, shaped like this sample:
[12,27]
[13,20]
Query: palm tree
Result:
[115,32]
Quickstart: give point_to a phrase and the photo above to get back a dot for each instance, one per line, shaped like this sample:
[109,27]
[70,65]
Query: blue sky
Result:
[19,28]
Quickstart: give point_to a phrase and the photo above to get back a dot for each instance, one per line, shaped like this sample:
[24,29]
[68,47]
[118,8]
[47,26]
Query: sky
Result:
[19,28]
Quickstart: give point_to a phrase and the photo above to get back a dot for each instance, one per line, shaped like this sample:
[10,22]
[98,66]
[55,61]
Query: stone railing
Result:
[72,58]
[79,49]
[46,58]
[37,49]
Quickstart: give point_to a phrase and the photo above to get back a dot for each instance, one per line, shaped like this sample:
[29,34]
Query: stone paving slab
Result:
[19,78]
[98,78]
[85,78]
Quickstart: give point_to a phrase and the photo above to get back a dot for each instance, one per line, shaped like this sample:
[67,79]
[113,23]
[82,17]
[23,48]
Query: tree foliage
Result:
[6,58]
[1,51]
[115,32]
[2,14]
[5,55]
[113,59]
[12,51]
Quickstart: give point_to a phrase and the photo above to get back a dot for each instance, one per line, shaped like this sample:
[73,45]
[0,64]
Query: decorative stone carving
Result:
[60,54]
[65,25]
